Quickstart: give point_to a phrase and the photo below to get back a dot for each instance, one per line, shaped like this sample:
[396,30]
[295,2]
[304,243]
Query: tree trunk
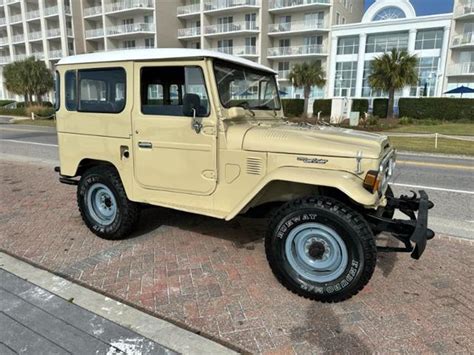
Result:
[391,103]
[306,92]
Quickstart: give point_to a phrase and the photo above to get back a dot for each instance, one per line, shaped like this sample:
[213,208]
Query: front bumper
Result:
[414,233]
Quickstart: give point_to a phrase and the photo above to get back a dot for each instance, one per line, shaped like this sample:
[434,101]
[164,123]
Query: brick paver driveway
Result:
[212,276]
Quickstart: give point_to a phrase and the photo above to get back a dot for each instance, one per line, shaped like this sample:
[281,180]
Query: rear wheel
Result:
[321,249]
[104,205]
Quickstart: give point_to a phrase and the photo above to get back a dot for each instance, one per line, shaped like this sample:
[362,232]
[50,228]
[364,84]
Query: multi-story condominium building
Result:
[40,28]
[460,68]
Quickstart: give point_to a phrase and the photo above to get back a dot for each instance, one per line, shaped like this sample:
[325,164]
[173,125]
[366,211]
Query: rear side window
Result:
[71,90]
[102,90]
[57,88]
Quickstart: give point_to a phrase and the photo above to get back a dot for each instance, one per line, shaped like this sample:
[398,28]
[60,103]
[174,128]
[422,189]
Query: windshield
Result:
[246,87]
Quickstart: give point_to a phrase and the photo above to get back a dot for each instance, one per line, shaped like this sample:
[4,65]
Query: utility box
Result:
[340,109]
[354,119]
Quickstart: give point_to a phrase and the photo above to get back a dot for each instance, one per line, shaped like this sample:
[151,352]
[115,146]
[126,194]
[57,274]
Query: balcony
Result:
[241,51]
[53,32]
[296,51]
[189,10]
[18,57]
[51,11]
[296,5]
[5,60]
[220,6]
[93,11]
[130,6]
[296,27]
[34,36]
[190,32]
[464,11]
[131,30]
[3,41]
[18,38]
[283,74]
[3,21]
[463,41]
[38,55]
[55,54]
[16,18]
[461,69]
[95,33]
[235,28]
[31,15]
[11,1]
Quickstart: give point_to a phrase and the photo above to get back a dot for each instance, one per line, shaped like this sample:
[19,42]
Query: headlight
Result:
[377,180]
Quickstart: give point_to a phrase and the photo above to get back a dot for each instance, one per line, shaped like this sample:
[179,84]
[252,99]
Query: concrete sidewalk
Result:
[36,320]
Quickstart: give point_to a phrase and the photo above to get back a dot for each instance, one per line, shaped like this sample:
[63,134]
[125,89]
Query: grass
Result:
[427,145]
[465,129]
[44,123]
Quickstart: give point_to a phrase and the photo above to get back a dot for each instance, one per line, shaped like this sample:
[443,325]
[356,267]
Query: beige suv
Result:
[204,132]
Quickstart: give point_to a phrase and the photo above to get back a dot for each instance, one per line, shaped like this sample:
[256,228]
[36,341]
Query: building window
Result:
[102,90]
[348,45]
[367,90]
[381,43]
[338,18]
[427,77]
[429,39]
[346,77]
[149,43]
[129,44]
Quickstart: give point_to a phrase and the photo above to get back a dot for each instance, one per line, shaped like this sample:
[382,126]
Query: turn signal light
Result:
[371,181]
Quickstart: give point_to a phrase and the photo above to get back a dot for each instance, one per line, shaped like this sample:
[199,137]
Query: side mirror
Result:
[191,105]
[236,113]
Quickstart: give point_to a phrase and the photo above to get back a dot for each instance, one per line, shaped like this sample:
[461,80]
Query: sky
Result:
[426,7]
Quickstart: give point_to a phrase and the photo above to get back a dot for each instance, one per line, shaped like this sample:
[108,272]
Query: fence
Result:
[436,137]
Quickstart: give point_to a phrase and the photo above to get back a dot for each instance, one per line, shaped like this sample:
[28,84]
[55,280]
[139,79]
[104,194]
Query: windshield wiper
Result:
[246,105]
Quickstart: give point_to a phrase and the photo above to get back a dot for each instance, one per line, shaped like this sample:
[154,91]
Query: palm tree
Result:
[307,75]
[393,71]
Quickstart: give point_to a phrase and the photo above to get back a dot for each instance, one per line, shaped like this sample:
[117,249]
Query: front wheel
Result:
[321,249]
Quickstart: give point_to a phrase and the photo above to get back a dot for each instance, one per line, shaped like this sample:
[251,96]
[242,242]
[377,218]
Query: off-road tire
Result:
[127,212]
[353,230]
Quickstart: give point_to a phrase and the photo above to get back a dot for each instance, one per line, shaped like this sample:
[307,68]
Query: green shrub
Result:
[406,120]
[361,106]
[41,111]
[380,108]
[35,103]
[5,102]
[323,105]
[438,108]
[373,121]
[293,107]
[13,111]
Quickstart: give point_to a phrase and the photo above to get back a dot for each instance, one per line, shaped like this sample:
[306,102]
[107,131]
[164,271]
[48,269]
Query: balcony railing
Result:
[51,11]
[462,69]
[295,50]
[96,32]
[16,18]
[227,4]
[54,54]
[464,40]
[189,32]
[69,32]
[282,4]
[5,59]
[189,9]
[20,57]
[38,55]
[239,50]
[12,1]
[132,28]
[465,9]
[231,27]
[128,4]
[53,32]
[3,21]
[18,38]
[296,26]
[283,74]
[35,35]
[32,14]
[92,11]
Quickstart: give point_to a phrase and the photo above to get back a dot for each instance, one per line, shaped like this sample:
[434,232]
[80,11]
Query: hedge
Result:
[5,102]
[438,108]
[293,107]
[361,106]
[21,111]
[323,105]
[380,108]
[43,103]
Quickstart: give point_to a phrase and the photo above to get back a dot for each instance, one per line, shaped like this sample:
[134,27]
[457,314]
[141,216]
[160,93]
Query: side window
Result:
[57,89]
[71,87]
[102,90]
[173,91]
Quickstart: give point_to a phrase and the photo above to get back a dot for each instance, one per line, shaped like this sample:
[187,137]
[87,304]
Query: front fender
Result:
[348,183]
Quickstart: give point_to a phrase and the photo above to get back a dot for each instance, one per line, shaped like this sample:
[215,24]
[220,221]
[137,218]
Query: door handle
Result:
[145,145]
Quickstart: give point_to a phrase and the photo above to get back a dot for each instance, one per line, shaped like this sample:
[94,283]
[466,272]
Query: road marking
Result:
[26,130]
[436,165]
[28,142]
[434,188]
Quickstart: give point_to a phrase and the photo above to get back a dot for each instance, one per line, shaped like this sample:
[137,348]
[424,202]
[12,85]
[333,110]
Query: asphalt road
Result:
[449,181]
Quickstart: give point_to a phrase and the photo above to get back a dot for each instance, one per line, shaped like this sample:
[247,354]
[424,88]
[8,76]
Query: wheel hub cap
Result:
[101,204]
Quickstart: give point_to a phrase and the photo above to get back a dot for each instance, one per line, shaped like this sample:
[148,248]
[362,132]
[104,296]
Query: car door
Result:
[174,129]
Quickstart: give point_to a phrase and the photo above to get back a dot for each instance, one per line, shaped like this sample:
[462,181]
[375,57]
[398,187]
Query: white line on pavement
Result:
[434,188]
[27,130]
[28,142]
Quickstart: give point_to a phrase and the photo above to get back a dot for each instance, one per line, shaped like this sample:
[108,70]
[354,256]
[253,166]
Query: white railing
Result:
[96,32]
[464,39]
[15,18]
[35,35]
[295,50]
[32,14]
[128,4]
[54,54]
[239,50]
[282,4]
[283,74]
[12,1]
[69,32]
[38,55]
[189,9]
[50,11]
[296,26]
[132,28]
[189,32]
[67,10]
[20,57]
[3,21]
[3,41]
[18,38]
[227,4]
[231,27]
[464,9]
[92,11]
[53,32]
[462,69]
[5,59]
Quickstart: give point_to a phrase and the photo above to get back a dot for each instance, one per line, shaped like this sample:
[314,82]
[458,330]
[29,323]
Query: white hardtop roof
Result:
[157,54]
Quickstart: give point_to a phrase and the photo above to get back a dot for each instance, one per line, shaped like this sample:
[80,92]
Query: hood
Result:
[314,140]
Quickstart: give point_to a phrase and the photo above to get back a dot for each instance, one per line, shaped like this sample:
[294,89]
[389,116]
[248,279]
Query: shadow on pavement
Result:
[386,261]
